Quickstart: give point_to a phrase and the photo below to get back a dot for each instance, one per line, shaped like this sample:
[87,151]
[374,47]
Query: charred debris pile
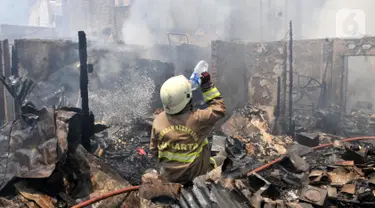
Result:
[309,168]
[43,163]
[302,175]
[59,172]
[47,159]
[50,155]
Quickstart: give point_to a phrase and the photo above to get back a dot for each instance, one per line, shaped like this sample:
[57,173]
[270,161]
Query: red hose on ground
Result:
[134,188]
[314,148]
[106,195]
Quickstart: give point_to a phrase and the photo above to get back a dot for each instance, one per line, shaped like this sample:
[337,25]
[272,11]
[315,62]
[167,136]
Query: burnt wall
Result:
[37,59]
[159,72]
[308,57]
[264,63]
[230,74]
[323,61]
[312,66]
[188,57]
[343,49]
[184,57]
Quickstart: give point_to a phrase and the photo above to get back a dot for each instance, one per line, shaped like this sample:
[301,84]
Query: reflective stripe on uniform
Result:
[183,157]
[213,161]
[211,94]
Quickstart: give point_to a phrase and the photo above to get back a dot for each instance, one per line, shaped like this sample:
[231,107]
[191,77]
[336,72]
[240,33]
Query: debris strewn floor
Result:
[336,176]
[63,173]
[127,151]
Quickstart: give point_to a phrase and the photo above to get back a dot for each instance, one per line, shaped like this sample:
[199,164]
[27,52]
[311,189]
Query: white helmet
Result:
[175,94]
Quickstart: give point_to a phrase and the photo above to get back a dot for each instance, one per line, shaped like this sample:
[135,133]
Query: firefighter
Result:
[179,133]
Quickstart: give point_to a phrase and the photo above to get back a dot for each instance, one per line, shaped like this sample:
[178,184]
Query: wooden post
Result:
[14,73]
[2,94]
[9,101]
[290,76]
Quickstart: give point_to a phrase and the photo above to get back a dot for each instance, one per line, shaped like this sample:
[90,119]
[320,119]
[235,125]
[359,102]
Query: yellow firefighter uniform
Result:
[179,140]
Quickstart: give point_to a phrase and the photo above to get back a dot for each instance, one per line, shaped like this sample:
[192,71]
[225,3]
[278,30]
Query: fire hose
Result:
[314,148]
[134,188]
[106,195]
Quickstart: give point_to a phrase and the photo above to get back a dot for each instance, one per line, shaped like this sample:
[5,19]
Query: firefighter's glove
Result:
[206,82]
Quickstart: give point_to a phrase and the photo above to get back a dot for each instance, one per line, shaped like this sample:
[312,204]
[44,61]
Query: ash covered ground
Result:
[126,108]
[123,154]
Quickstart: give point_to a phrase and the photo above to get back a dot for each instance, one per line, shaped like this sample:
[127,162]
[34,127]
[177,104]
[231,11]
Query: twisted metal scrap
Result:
[19,88]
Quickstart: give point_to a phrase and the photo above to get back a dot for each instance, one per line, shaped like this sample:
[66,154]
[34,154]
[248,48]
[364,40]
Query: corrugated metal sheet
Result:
[211,195]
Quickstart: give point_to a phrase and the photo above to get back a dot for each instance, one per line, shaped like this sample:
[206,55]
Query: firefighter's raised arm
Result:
[211,95]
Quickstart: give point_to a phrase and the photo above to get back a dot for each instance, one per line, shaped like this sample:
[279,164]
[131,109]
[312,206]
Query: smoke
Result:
[150,21]
[361,81]
[263,20]
[361,74]
[128,99]
[326,22]
[123,93]
[127,93]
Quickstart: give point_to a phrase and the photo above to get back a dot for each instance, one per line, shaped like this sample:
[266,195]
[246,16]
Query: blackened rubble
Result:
[251,125]
[360,121]
[60,171]
[342,174]
[339,175]
[122,150]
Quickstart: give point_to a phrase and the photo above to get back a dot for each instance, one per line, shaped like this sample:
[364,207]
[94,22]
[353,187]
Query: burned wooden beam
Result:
[88,117]
[14,73]
[284,80]
[9,101]
[290,76]
[2,92]
[278,105]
